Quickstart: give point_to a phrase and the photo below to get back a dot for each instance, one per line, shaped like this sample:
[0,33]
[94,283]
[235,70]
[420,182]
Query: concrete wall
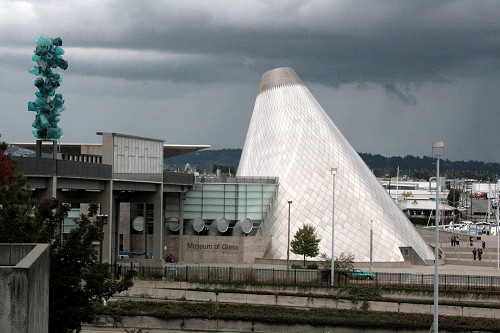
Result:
[184,291]
[220,325]
[219,249]
[137,155]
[24,288]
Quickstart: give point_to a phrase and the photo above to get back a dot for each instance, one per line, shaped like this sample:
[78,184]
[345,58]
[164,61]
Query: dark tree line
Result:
[411,166]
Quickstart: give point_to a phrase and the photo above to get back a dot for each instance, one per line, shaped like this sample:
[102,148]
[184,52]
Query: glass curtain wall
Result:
[231,201]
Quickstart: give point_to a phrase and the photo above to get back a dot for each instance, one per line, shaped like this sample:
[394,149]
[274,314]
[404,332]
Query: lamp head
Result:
[437,148]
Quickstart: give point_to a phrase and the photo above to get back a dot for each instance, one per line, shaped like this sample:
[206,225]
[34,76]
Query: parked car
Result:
[358,274]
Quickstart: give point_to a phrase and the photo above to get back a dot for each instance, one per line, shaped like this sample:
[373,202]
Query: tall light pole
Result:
[288,246]
[371,246]
[332,279]
[437,151]
[182,198]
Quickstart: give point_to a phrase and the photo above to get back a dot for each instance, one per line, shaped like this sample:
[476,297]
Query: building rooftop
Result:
[169,150]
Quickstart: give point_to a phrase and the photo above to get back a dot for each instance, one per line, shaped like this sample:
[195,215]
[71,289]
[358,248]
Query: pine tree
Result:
[305,242]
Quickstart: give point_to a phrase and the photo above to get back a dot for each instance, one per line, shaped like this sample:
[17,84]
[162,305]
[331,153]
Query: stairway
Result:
[462,255]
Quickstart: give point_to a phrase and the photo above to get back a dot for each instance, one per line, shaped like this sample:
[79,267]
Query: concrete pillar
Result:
[182,197]
[107,208]
[145,229]
[50,191]
[158,224]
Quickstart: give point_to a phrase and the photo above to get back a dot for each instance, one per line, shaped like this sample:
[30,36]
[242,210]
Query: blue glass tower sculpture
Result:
[48,105]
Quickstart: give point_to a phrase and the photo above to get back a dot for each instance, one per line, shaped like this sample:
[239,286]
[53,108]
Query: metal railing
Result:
[177,178]
[214,274]
[237,180]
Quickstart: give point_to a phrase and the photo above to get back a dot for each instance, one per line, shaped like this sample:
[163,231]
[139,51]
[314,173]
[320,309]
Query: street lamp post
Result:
[288,246]
[371,246]
[332,279]
[437,151]
[182,198]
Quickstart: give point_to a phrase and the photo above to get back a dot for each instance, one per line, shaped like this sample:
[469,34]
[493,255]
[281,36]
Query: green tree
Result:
[225,169]
[422,174]
[342,263]
[305,242]
[77,279]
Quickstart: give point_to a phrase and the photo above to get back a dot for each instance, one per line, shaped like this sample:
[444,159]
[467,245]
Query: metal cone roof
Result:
[291,137]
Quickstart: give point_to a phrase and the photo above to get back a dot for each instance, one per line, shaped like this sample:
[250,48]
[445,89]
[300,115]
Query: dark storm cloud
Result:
[405,96]
[330,42]
[403,62]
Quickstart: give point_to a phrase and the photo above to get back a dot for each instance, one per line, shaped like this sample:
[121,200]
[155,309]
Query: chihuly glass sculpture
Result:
[48,105]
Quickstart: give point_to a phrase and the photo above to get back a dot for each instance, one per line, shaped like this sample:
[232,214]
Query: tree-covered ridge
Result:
[381,165]
[206,159]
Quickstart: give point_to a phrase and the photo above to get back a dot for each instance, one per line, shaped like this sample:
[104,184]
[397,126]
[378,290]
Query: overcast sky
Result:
[393,75]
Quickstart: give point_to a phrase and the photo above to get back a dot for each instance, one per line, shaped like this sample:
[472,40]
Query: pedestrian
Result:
[457,240]
[471,241]
[452,240]
[479,253]
[474,252]
[484,244]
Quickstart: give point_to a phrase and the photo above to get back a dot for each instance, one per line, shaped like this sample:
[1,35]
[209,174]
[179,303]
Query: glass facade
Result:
[233,201]
[69,222]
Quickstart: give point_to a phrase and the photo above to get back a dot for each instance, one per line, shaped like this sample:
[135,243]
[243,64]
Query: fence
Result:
[304,277]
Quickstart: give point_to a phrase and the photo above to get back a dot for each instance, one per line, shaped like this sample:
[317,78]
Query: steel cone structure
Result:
[291,137]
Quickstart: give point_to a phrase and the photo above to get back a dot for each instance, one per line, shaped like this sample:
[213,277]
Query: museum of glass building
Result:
[231,198]
[323,180]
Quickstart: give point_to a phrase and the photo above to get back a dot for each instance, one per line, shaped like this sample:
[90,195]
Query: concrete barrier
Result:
[447,310]
[261,299]
[478,312]
[291,301]
[215,325]
[321,303]
[234,326]
[383,306]
[343,304]
[232,298]
[200,296]
[169,291]
[415,308]
[195,324]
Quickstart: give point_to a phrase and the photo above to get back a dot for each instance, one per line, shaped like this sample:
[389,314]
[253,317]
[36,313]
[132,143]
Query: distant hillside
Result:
[381,165]
[205,160]
[420,167]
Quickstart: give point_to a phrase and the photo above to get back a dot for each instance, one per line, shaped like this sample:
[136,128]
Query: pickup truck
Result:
[358,274]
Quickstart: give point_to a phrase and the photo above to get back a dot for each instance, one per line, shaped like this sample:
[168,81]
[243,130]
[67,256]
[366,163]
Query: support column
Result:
[51,190]
[107,208]
[182,197]
[145,229]
[158,224]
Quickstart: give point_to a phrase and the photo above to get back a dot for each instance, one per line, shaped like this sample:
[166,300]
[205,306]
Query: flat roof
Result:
[169,150]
